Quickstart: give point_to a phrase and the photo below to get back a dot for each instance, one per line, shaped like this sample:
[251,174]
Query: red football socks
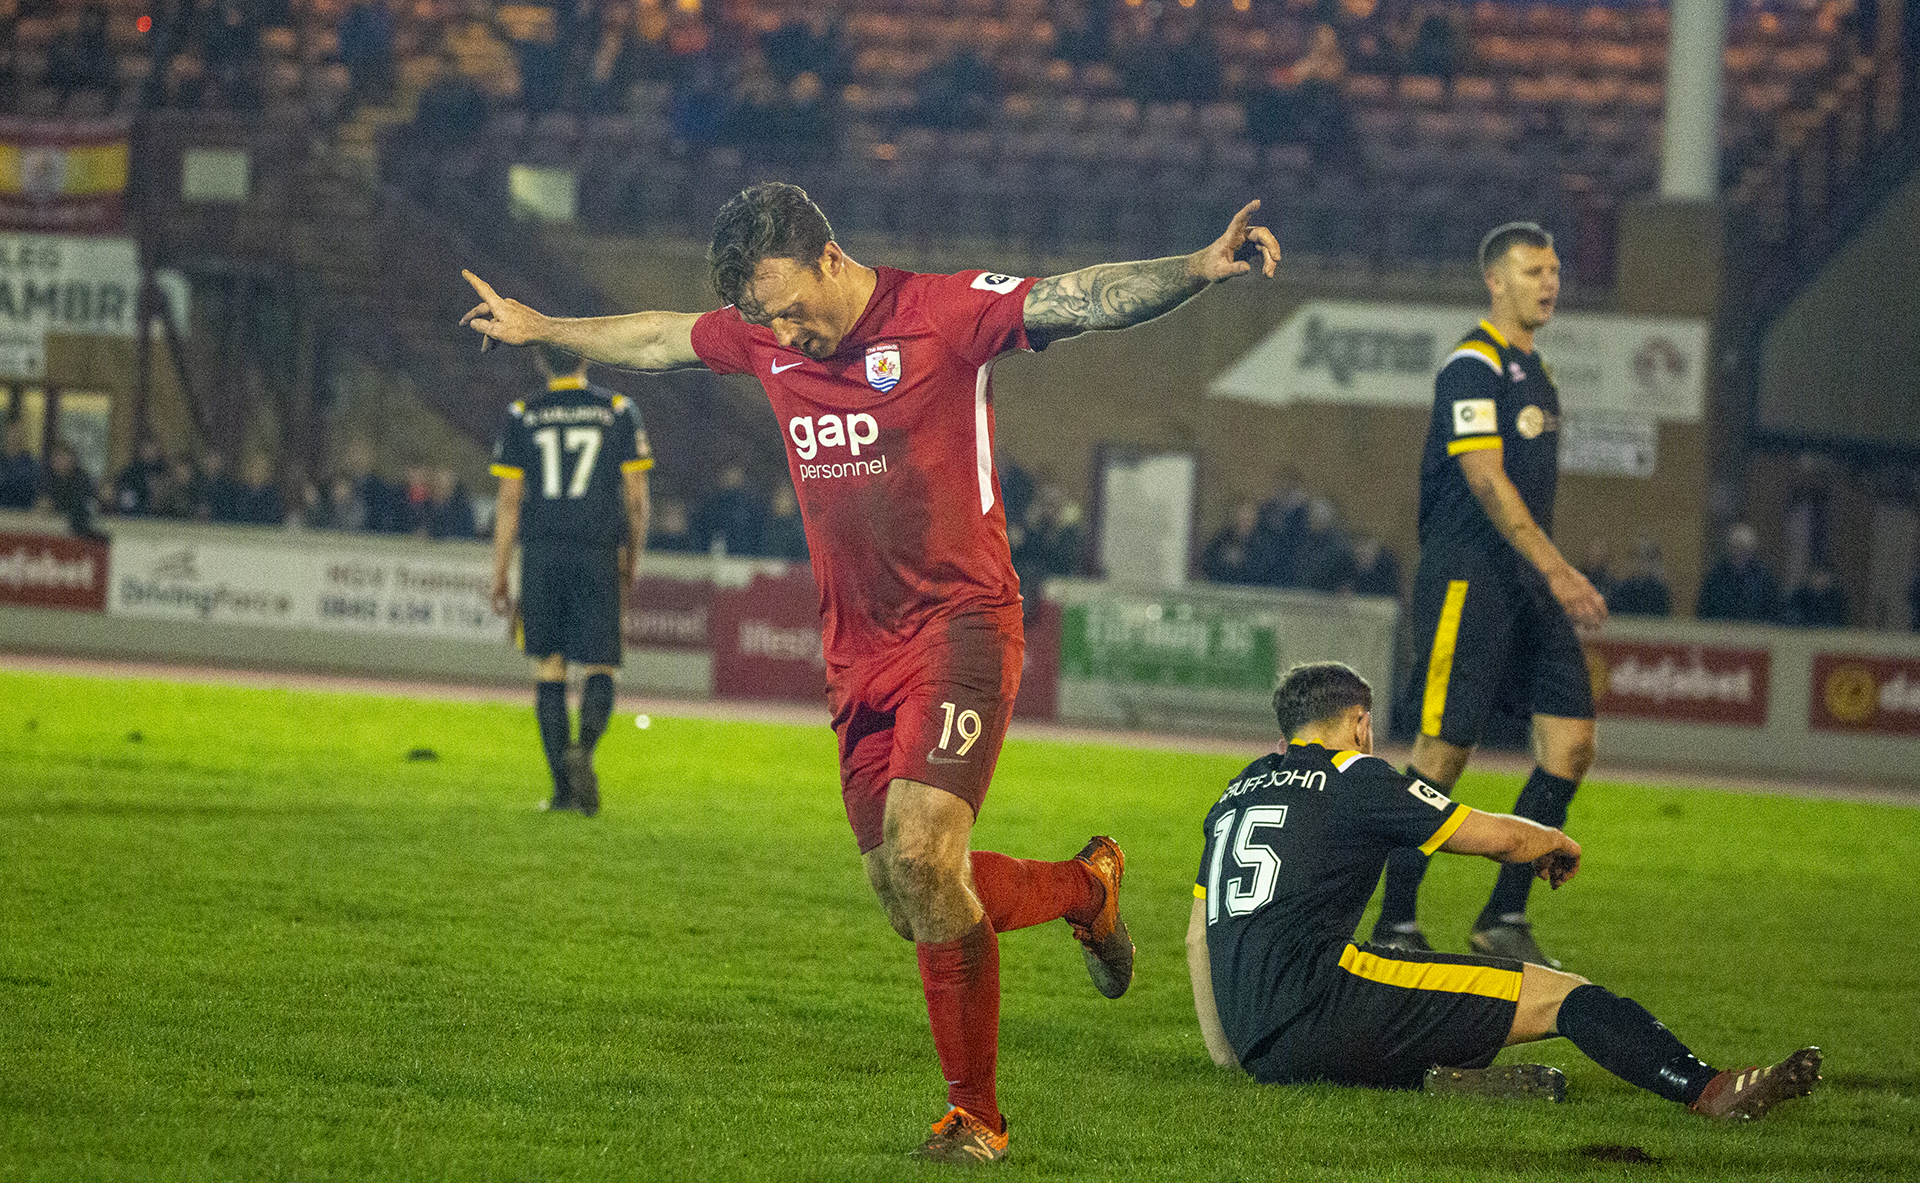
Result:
[1020,893]
[962,981]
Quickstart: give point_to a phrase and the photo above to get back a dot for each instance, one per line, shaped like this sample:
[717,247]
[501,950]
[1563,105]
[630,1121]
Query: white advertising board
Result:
[68,283]
[290,585]
[1337,351]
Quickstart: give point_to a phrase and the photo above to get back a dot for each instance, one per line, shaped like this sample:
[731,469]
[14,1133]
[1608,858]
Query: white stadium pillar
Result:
[1690,150]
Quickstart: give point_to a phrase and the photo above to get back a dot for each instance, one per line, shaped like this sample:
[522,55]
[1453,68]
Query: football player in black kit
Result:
[572,463]
[1495,604]
[1292,851]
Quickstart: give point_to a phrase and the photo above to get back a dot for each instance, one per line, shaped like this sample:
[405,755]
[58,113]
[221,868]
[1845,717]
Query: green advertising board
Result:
[1168,642]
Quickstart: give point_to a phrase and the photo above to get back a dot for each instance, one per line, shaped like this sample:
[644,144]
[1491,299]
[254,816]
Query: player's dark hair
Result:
[1503,238]
[557,361]
[1315,691]
[771,220]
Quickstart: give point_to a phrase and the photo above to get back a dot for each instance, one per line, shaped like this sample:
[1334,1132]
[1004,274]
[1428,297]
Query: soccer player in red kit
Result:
[880,380]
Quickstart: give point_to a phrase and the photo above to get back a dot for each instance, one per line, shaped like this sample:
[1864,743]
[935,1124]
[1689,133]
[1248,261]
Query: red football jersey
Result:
[890,443]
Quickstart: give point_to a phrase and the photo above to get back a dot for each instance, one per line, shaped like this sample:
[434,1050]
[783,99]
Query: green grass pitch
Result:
[260,943]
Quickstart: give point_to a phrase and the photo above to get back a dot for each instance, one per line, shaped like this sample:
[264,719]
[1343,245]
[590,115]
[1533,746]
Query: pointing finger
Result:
[480,285]
[477,310]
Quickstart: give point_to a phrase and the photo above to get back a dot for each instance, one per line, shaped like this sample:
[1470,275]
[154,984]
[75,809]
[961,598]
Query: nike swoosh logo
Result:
[780,369]
[934,757]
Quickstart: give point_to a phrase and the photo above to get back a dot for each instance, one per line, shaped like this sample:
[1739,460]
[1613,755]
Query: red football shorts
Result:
[933,710]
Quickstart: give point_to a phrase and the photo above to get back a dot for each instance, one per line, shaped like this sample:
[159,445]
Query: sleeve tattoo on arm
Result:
[1108,296]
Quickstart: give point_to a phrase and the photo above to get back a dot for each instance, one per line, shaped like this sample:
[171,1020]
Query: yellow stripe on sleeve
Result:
[640,465]
[1479,349]
[506,472]
[1199,891]
[1446,830]
[1473,443]
[1485,980]
[1440,661]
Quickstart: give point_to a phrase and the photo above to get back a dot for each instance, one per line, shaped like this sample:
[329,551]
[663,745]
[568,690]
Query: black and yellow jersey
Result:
[1294,848]
[1488,394]
[571,446]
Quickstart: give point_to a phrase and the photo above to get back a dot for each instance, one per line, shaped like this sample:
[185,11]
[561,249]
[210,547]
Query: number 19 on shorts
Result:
[966,723]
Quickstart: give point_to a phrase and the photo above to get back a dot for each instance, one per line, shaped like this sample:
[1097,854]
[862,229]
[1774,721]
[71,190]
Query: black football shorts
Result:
[570,602]
[1489,638]
[1385,1016]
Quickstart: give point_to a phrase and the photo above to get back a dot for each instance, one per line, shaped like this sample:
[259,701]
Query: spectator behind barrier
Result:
[1739,586]
[784,536]
[375,504]
[216,497]
[1376,569]
[1229,556]
[67,490]
[136,488]
[449,511]
[366,49]
[1048,543]
[1818,602]
[19,469]
[1644,591]
[732,519]
[177,496]
[1283,522]
[1323,561]
[667,529]
[257,501]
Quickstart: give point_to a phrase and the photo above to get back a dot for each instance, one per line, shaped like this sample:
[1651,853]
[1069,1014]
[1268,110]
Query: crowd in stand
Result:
[1294,540]
[429,503]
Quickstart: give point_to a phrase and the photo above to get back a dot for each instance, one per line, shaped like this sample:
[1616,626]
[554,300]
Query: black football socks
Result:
[596,707]
[550,708]
[1621,1036]
[1406,867]
[1543,799]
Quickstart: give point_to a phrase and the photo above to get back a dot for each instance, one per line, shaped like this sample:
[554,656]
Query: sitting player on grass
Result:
[1293,849]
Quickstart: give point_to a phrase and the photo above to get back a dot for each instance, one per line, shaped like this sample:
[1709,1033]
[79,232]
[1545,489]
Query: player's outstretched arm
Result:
[637,341]
[1200,969]
[1505,838]
[1486,475]
[1121,295]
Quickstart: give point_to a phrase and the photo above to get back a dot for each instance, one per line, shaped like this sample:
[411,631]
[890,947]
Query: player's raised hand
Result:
[1222,259]
[497,318]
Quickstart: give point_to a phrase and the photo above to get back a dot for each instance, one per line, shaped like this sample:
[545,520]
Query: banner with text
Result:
[1862,694]
[284,586]
[45,571]
[63,283]
[1338,351]
[766,639]
[63,174]
[669,614]
[1679,683]
[1171,642]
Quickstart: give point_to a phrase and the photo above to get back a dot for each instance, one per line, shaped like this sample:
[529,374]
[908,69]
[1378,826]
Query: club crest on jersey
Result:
[883,365]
